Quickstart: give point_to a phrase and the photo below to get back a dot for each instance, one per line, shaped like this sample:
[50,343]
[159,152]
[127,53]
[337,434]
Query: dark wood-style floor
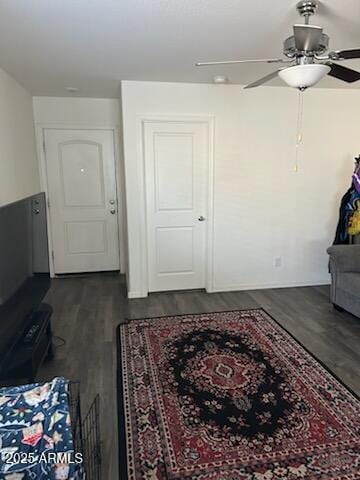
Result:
[88,309]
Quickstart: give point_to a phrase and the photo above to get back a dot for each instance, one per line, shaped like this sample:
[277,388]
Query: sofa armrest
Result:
[344,258]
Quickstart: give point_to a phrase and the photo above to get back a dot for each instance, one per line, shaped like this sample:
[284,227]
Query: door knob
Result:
[201,218]
[113,211]
[112,202]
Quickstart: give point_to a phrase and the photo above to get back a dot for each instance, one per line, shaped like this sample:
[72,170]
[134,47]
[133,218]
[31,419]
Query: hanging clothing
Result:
[347,207]
[342,236]
[351,208]
[356,176]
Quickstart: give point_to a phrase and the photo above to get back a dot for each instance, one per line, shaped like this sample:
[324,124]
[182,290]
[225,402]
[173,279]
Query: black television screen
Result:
[24,265]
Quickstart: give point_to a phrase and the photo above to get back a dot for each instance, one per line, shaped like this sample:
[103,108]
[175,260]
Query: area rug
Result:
[230,396]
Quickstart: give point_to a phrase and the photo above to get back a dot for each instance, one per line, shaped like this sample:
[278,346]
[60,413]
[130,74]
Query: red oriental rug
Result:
[230,396]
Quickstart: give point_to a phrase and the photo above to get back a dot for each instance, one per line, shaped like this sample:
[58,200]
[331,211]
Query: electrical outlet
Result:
[277,262]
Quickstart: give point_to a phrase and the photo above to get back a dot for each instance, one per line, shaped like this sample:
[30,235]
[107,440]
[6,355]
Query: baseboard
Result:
[263,286]
[247,286]
[137,295]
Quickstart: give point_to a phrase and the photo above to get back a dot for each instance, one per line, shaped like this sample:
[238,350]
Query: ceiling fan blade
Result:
[230,62]
[263,80]
[345,54]
[307,37]
[343,73]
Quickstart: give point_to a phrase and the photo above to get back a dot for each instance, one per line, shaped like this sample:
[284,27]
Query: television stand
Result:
[30,350]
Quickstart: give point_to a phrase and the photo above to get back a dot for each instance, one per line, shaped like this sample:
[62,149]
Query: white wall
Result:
[77,111]
[85,113]
[19,175]
[263,209]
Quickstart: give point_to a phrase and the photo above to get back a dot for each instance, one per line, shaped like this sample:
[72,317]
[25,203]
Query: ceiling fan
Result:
[305,51]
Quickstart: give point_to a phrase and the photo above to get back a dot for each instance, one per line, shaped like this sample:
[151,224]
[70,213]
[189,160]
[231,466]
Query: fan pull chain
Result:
[299,135]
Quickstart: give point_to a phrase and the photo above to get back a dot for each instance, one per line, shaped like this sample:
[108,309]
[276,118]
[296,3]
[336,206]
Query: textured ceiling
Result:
[48,45]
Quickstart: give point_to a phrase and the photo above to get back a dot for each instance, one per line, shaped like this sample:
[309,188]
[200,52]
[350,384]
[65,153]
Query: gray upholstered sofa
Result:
[345,277]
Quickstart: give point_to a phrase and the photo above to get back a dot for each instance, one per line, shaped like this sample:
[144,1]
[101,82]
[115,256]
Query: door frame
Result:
[119,179]
[209,121]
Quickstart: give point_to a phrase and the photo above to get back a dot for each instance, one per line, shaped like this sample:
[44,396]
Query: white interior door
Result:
[83,202]
[176,162]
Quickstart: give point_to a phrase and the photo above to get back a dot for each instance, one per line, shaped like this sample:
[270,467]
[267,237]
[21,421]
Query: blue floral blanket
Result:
[35,433]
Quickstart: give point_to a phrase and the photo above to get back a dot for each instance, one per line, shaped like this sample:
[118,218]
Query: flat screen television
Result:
[24,266]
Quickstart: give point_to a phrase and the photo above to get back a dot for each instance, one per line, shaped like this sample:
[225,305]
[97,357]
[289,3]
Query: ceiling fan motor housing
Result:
[291,51]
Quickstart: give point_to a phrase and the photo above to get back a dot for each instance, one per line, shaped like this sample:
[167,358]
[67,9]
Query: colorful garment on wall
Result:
[341,236]
[35,433]
[356,177]
[348,207]
[350,211]
[354,220]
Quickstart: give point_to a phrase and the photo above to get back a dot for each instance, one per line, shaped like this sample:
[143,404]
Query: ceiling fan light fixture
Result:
[304,76]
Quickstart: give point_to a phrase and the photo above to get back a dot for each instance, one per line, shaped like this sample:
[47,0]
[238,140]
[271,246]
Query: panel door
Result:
[83,200]
[176,158]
